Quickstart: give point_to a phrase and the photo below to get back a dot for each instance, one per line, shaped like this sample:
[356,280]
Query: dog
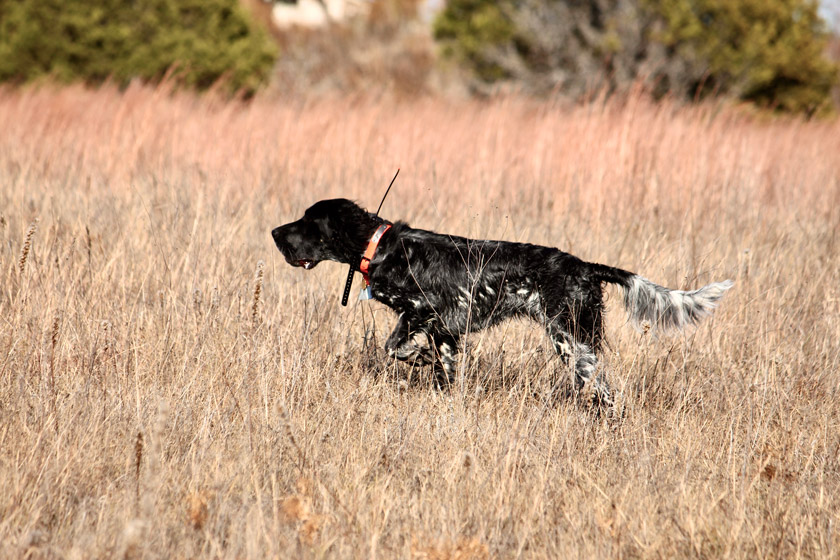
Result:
[443,287]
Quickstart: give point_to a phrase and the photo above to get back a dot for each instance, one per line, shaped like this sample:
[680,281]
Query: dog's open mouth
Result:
[305,263]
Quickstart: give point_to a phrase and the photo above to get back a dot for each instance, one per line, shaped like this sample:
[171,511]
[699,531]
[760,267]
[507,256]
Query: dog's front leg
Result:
[408,346]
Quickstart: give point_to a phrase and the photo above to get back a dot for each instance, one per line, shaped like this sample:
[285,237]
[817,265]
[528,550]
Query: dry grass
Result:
[165,394]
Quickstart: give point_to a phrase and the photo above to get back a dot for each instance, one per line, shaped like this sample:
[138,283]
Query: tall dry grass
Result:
[169,387]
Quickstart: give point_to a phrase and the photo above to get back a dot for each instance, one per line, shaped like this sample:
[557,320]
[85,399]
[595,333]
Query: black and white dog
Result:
[444,287]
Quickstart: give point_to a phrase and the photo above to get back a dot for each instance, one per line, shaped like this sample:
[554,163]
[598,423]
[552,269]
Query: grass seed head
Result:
[55,330]
[257,292]
[27,245]
[138,455]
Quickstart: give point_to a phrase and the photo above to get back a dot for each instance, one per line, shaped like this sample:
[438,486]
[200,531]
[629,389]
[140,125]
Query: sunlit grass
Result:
[169,387]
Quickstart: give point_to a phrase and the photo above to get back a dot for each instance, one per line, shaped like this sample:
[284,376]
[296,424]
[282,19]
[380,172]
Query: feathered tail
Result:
[660,307]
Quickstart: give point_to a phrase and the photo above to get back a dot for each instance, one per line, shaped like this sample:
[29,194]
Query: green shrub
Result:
[771,52]
[471,30]
[93,40]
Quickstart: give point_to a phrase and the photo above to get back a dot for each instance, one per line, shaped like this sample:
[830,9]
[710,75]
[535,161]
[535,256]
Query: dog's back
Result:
[444,286]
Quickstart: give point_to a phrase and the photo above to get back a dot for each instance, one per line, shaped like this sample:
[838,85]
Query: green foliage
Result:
[470,29]
[771,52]
[92,40]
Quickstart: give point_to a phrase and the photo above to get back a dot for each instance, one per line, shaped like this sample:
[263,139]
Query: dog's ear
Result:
[335,217]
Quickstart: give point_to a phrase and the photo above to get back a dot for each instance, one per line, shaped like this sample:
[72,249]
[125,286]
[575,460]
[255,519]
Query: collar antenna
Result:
[349,284]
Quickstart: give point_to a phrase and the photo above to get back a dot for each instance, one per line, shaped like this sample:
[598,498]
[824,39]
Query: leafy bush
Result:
[204,40]
[473,31]
[771,52]
[767,51]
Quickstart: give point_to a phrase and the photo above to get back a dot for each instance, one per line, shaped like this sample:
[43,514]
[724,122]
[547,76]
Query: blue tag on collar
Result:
[365,293]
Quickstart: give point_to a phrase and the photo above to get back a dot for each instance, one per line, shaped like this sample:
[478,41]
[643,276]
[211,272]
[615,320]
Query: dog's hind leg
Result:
[585,362]
[446,347]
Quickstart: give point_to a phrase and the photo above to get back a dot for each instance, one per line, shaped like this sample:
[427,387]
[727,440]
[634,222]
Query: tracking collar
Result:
[364,267]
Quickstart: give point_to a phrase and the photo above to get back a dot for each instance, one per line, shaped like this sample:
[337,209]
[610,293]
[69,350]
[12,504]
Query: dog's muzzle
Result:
[285,246]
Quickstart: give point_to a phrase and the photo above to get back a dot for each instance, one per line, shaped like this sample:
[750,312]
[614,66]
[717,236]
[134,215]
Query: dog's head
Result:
[330,230]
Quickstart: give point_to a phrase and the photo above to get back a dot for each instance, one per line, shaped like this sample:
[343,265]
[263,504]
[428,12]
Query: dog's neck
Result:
[351,248]
[370,250]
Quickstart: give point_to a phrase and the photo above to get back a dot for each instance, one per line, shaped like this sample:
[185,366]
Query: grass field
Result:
[170,388]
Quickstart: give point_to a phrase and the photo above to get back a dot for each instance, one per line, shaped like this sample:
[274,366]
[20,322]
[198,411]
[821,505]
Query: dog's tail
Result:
[660,307]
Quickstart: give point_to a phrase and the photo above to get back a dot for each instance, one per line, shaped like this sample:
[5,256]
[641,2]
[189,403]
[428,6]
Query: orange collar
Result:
[364,267]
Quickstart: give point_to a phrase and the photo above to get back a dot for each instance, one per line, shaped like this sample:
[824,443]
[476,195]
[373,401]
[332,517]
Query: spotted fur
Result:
[444,286]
